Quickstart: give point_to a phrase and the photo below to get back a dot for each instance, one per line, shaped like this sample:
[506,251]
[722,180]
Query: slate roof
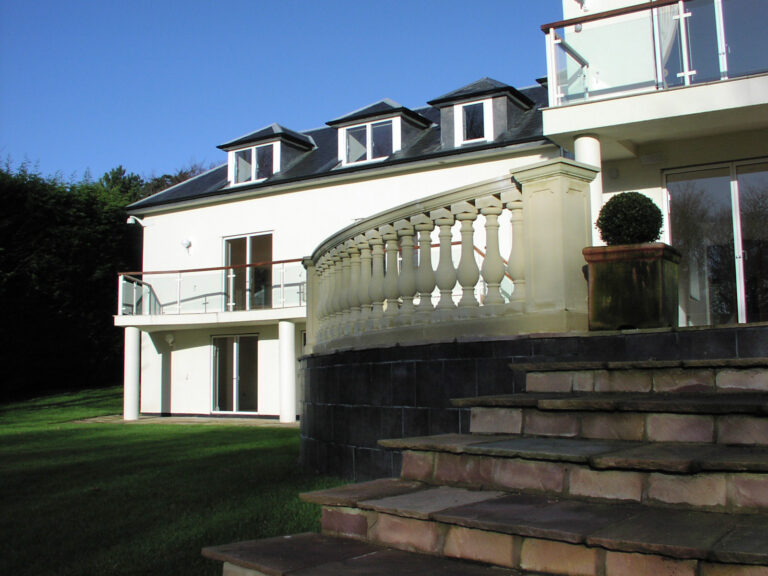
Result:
[380,108]
[483,87]
[270,133]
[321,160]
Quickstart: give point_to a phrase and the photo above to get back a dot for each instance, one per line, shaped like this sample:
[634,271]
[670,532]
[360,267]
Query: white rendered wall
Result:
[298,221]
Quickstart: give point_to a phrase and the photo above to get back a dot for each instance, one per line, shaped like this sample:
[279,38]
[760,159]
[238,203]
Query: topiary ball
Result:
[629,218]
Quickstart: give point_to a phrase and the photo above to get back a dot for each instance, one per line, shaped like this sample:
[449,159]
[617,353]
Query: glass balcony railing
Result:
[657,46]
[258,286]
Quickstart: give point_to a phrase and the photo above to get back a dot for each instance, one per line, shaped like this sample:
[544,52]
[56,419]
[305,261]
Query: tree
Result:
[61,245]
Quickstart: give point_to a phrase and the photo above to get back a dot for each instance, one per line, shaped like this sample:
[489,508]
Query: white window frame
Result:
[396,140]
[232,164]
[458,122]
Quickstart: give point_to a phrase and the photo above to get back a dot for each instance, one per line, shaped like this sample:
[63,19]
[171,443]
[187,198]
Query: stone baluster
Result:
[353,295]
[344,312]
[406,283]
[376,288]
[363,295]
[335,296]
[391,290]
[321,298]
[467,272]
[425,275]
[516,262]
[493,268]
[445,274]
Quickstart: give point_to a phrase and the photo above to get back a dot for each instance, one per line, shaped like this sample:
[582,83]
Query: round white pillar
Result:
[132,374]
[586,149]
[287,354]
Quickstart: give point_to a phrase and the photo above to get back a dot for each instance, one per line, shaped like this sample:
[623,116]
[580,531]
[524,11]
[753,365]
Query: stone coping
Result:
[624,527]
[723,402]
[598,454]
[312,554]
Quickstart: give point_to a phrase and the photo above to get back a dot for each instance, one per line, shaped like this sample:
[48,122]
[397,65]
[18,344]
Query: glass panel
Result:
[745,36]
[629,63]
[356,144]
[702,40]
[295,279]
[701,224]
[264,161]
[670,47]
[235,277]
[381,137]
[474,124]
[248,364]
[753,209]
[243,165]
[223,373]
[261,275]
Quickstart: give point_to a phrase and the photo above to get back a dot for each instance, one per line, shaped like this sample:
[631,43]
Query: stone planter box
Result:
[632,286]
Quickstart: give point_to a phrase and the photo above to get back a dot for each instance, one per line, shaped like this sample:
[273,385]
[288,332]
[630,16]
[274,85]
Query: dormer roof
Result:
[384,108]
[317,149]
[482,88]
[268,134]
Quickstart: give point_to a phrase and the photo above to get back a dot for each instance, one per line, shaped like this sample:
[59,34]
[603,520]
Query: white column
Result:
[586,149]
[132,374]
[287,370]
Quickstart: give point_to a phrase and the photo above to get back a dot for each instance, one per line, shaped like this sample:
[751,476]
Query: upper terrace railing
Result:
[657,46]
[257,286]
[378,281]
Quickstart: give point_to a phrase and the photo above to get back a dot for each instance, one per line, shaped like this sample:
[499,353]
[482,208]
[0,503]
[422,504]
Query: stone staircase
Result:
[646,469]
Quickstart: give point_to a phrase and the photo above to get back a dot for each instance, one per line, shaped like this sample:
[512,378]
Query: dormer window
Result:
[473,122]
[255,163]
[370,141]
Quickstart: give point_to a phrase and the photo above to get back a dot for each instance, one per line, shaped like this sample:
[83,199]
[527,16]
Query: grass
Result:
[123,499]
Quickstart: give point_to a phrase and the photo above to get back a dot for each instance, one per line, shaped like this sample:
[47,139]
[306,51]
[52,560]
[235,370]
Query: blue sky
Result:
[155,85]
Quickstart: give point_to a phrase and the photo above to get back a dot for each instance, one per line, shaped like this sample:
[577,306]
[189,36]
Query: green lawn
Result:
[97,499]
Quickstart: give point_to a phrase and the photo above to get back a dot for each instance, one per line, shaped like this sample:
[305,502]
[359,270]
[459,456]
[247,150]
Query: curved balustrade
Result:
[376,282]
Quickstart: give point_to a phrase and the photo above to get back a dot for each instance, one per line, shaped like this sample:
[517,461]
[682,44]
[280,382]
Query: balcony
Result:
[645,48]
[674,69]
[220,295]
[379,282]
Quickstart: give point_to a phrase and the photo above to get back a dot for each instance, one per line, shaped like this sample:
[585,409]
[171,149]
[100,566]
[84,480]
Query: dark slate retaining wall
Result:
[354,398]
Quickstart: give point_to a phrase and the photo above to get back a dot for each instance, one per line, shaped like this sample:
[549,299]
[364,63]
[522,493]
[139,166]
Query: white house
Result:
[216,319]
[669,98]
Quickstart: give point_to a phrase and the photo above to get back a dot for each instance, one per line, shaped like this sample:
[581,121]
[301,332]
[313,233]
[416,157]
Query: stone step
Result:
[693,476]
[540,533]
[312,554]
[722,419]
[744,375]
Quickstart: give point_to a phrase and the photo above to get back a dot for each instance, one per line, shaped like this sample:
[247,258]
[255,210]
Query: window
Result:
[248,278]
[473,122]
[367,142]
[255,164]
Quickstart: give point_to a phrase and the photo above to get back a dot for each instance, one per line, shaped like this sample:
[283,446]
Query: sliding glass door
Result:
[248,283]
[235,373]
[719,222]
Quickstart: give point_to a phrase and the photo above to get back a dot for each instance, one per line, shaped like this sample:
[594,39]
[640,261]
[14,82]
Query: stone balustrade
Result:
[375,282]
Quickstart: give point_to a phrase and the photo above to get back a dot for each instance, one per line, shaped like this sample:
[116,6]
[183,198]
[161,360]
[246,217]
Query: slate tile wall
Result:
[354,398]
